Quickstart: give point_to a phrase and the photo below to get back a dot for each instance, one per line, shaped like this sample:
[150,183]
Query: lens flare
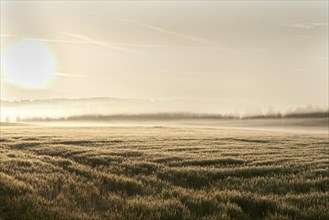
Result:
[29,63]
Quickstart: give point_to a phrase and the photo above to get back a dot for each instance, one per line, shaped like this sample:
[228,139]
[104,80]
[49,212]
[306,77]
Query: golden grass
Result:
[161,173]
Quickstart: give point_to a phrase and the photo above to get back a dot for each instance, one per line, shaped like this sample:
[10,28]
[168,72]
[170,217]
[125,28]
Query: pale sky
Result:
[238,55]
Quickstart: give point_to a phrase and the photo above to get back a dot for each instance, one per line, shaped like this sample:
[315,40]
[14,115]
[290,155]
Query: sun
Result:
[29,63]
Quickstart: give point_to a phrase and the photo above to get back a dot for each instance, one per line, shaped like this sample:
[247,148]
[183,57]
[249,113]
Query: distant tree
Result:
[270,110]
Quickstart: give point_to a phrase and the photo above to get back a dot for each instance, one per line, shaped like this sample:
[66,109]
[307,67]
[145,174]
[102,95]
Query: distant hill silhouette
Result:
[105,108]
[176,116]
[319,114]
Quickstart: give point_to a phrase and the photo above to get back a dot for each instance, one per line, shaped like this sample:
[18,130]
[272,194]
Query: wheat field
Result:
[137,172]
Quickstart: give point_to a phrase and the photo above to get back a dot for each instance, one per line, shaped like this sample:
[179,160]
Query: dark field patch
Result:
[251,140]
[85,142]
[210,162]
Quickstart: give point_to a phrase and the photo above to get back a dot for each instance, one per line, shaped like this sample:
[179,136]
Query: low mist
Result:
[117,112]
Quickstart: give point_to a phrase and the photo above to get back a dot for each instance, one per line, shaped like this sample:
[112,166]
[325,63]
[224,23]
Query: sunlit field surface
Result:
[161,173]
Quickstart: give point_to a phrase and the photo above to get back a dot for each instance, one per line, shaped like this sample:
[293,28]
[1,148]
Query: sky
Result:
[233,55]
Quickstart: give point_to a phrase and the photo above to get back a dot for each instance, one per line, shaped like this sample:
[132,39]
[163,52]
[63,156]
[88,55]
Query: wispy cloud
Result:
[320,57]
[81,40]
[163,30]
[173,33]
[301,70]
[68,75]
[156,28]
[122,46]
[42,39]
[93,13]
[97,42]
[71,75]
[224,49]
[304,25]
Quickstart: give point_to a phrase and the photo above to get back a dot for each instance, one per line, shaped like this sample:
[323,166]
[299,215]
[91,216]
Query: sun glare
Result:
[29,63]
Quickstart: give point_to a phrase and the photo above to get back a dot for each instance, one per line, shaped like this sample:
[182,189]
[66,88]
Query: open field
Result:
[162,173]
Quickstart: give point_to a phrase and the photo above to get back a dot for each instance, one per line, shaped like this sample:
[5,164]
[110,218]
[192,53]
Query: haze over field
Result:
[65,108]
[222,57]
